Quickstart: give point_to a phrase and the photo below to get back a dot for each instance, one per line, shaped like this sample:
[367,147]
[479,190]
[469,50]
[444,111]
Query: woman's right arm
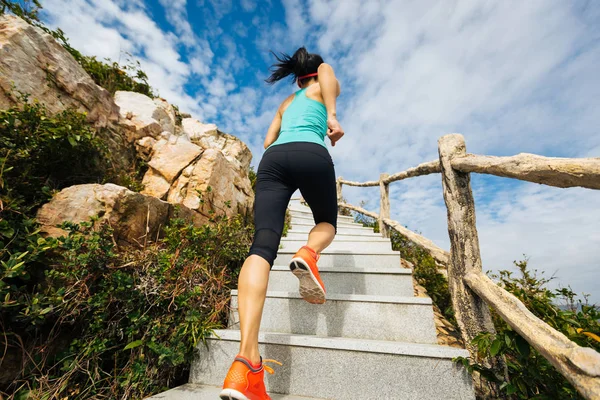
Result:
[330,90]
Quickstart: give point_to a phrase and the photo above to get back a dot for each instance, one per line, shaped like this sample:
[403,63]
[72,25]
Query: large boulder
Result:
[135,218]
[142,116]
[213,183]
[209,137]
[33,63]
[169,158]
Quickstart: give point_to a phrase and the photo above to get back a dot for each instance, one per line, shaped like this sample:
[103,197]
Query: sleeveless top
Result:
[304,120]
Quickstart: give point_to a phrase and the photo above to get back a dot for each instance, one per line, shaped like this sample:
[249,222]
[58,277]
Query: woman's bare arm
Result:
[330,90]
[275,127]
[273,131]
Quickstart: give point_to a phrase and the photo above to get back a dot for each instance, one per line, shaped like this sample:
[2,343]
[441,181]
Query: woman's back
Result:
[304,120]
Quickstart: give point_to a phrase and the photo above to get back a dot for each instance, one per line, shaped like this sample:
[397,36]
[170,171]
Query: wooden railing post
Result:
[384,205]
[472,313]
[338,188]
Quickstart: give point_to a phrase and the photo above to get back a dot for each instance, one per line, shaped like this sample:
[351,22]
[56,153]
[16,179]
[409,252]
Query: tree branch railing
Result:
[472,292]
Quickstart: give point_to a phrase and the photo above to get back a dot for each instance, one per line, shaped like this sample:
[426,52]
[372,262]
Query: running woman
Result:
[296,157]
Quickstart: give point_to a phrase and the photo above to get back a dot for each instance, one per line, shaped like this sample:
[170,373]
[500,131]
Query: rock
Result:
[226,186]
[209,137]
[33,63]
[141,116]
[169,158]
[144,147]
[134,217]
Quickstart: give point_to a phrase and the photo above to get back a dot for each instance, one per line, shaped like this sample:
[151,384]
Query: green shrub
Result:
[39,154]
[531,376]
[26,9]
[123,323]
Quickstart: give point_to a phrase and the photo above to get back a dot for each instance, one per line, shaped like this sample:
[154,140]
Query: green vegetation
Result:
[531,376]
[82,318]
[120,323]
[108,74]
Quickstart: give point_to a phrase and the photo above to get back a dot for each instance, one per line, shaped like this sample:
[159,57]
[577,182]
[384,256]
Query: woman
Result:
[296,158]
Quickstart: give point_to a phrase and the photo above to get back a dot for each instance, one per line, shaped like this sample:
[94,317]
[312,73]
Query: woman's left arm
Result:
[273,132]
[275,128]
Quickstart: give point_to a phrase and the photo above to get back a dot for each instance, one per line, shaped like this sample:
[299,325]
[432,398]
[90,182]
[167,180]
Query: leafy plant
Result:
[531,376]
[123,323]
[26,9]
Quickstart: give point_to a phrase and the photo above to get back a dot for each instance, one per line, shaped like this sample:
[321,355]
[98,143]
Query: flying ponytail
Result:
[300,64]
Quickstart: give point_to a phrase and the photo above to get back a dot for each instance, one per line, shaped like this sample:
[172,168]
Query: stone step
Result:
[192,391]
[311,221]
[305,228]
[342,245]
[366,237]
[354,229]
[371,281]
[341,368]
[347,259]
[307,213]
[405,319]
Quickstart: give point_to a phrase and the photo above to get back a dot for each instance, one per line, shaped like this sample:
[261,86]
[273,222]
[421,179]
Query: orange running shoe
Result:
[304,266]
[245,381]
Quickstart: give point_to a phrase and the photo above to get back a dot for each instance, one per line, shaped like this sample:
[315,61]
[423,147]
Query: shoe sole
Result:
[231,394]
[310,289]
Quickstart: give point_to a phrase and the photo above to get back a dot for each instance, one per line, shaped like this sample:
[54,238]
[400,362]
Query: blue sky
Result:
[511,76]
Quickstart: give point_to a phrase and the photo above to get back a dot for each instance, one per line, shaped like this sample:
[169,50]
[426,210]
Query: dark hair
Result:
[300,64]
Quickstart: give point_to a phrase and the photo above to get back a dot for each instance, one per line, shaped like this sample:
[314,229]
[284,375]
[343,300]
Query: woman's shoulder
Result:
[285,104]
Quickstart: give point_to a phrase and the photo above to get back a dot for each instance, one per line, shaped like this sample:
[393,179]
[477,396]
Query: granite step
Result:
[370,281]
[365,237]
[192,391]
[342,368]
[307,213]
[347,259]
[405,319]
[342,245]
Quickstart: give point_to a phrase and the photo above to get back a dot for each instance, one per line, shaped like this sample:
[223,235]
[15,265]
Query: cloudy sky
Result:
[511,76]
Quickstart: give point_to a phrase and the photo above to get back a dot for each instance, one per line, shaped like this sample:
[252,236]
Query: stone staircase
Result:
[371,340]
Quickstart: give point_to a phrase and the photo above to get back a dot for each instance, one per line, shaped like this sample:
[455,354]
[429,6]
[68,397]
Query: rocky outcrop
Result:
[190,163]
[168,160]
[193,164]
[135,218]
[33,63]
[212,184]
[209,137]
[141,116]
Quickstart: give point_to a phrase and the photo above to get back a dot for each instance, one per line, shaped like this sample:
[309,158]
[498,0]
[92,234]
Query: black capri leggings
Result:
[283,169]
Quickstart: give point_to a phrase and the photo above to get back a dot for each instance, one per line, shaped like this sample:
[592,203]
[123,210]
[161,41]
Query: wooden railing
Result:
[470,289]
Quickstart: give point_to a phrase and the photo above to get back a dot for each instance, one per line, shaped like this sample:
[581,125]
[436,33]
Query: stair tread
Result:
[356,270]
[327,252]
[341,343]
[191,391]
[366,298]
[342,240]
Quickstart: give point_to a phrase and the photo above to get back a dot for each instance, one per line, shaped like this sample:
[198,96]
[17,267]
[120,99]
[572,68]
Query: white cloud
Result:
[248,5]
[511,76]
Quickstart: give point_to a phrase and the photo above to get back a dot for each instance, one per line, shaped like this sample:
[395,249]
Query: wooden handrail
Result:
[427,168]
[552,171]
[470,289]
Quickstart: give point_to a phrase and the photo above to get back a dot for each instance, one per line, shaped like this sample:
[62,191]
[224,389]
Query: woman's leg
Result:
[273,193]
[252,290]
[321,236]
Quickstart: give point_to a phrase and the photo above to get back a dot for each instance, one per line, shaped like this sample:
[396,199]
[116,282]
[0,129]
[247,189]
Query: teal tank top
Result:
[304,120]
